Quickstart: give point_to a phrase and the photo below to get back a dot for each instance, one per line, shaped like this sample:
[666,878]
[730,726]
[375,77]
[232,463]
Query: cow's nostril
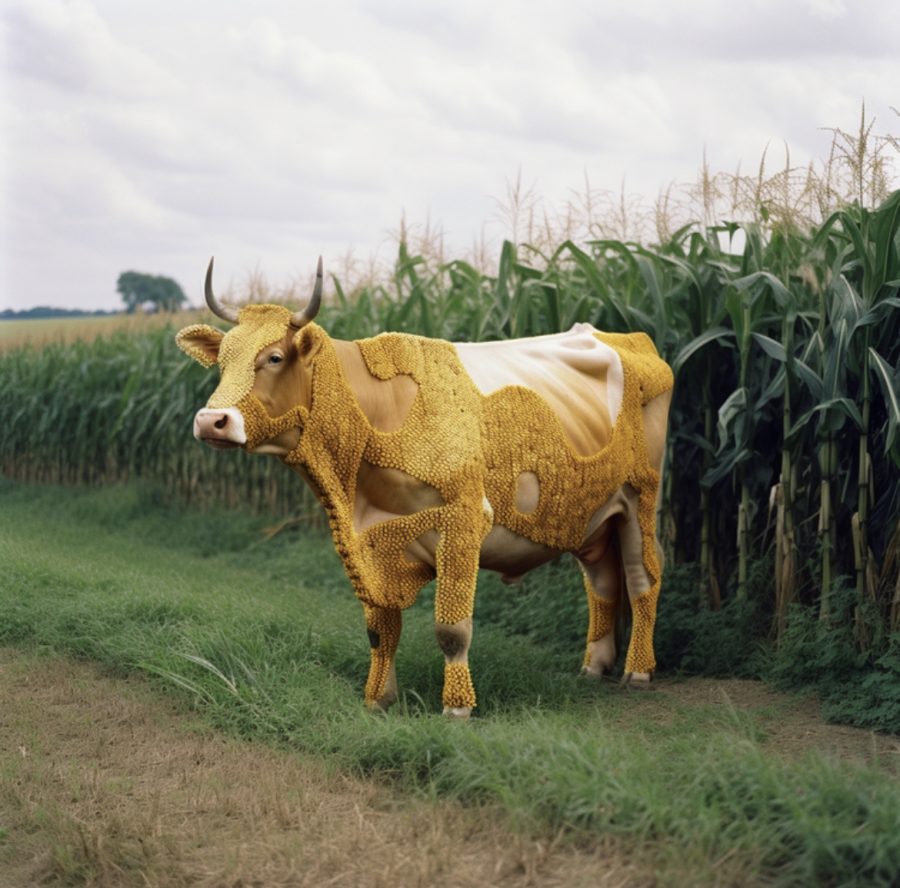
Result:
[221,423]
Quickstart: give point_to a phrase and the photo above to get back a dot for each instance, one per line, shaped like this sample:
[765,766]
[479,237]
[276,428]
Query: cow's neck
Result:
[335,428]
[337,359]
[383,403]
[333,438]
[352,365]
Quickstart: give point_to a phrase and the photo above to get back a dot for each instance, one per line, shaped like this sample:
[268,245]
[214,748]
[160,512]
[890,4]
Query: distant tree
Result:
[136,289]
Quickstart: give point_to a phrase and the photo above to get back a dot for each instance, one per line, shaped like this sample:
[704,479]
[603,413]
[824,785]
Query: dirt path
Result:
[102,783]
[788,724]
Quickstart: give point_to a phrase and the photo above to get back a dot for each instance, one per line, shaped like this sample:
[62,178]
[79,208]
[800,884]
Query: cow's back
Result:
[577,375]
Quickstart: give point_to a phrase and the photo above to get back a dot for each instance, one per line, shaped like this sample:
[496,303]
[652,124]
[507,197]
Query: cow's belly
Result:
[386,494]
[502,551]
[513,555]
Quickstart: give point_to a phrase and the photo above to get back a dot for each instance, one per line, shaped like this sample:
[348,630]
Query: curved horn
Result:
[225,312]
[301,318]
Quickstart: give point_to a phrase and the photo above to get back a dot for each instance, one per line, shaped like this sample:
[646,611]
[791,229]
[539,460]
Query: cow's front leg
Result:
[459,693]
[383,625]
[454,602]
[463,527]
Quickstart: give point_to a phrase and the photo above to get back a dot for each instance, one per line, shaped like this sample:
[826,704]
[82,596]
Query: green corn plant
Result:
[865,281]
[792,283]
[831,412]
[788,382]
[747,302]
[700,321]
[875,267]
[602,280]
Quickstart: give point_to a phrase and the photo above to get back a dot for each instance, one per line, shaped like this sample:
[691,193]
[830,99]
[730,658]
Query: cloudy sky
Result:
[148,136]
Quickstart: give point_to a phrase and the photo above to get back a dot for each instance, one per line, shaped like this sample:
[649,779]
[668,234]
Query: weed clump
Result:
[856,686]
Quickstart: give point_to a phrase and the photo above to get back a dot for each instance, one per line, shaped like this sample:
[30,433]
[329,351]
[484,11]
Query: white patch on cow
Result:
[233,429]
[487,508]
[528,492]
[574,361]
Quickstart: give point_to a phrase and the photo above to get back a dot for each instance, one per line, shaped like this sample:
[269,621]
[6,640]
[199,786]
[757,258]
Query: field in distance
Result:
[39,332]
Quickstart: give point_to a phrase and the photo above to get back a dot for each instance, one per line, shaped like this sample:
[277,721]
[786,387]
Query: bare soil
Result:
[102,783]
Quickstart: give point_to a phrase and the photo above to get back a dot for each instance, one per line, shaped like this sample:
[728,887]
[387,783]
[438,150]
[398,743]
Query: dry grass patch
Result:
[40,332]
[102,784]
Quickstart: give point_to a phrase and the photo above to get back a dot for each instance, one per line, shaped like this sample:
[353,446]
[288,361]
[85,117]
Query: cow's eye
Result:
[275,359]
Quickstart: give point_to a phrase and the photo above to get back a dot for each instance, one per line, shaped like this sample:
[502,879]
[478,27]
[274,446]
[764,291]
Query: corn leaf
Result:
[716,334]
[886,376]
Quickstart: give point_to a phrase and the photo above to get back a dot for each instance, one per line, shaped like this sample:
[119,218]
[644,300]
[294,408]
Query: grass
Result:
[267,642]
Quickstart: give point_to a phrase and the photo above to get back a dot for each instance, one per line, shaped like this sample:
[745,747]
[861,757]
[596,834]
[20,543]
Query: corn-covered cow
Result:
[433,458]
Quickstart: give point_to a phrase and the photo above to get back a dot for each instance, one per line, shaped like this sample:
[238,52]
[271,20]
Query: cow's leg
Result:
[383,625]
[464,525]
[602,582]
[454,602]
[642,556]
[454,640]
[643,589]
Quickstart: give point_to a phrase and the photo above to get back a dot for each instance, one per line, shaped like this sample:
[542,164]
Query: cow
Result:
[433,459]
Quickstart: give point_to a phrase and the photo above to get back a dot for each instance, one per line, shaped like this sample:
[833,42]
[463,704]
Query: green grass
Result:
[266,640]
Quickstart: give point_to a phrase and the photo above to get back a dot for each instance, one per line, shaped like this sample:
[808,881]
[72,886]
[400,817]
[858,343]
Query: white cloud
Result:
[70,46]
[827,9]
[307,71]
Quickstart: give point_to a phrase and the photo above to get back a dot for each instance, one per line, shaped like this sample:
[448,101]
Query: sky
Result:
[149,136]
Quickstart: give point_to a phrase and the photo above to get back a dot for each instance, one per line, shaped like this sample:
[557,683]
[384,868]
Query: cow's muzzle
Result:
[221,428]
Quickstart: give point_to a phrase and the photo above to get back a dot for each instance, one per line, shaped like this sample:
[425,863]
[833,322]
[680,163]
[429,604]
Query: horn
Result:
[301,318]
[225,312]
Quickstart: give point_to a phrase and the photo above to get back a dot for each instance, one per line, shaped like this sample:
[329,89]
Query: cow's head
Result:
[262,397]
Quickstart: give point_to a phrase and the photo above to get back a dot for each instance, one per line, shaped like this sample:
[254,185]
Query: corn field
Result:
[118,408]
[784,437]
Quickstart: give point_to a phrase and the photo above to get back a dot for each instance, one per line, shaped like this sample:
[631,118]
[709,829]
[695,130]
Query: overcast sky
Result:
[148,136]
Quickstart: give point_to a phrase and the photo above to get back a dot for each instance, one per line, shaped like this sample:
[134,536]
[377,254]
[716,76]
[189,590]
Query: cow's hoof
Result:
[640,681]
[460,713]
[593,673]
[378,707]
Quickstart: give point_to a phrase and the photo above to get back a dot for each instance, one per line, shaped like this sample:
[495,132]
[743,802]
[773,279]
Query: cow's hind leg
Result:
[602,582]
[641,561]
[383,625]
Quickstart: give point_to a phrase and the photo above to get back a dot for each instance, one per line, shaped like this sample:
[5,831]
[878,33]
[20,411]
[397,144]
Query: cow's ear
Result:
[308,341]
[201,342]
